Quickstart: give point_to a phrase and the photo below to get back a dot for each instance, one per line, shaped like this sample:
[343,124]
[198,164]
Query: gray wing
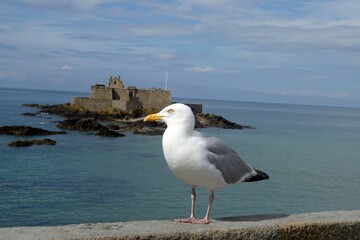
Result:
[227,161]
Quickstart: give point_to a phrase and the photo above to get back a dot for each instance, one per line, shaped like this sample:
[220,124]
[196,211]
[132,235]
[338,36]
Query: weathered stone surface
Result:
[322,226]
[108,133]
[81,124]
[27,131]
[27,143]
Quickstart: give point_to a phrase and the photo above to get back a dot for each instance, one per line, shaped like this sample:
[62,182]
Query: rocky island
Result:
[81,119]
[125,107]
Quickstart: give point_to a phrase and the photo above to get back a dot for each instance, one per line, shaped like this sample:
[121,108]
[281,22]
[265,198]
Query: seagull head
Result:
[177,114]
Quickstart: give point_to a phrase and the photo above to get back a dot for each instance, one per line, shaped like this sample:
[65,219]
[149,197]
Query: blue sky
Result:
[305,52]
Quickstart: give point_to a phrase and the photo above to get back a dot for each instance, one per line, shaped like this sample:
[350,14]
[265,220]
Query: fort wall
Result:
[93,105]
[154,98]
[101,94]
[116,97]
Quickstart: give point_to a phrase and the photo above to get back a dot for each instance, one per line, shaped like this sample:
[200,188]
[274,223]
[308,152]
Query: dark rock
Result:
[67,110]
[113,127]
[143,128]
[73,111]
[27,131]
[81,124]
[148,131]
[20,143]
[33,105]
[198,124]
[212,120]
[134,117]
[29,114]
[27,143]
[108,133]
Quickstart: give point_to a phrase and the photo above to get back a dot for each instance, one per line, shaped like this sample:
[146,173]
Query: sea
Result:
[311,153]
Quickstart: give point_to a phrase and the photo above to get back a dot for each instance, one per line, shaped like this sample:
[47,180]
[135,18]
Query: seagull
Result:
[198,159]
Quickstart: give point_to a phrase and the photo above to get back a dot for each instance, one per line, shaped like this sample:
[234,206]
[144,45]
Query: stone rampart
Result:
[334,225]
[101,94]
[94,105]
[154,98]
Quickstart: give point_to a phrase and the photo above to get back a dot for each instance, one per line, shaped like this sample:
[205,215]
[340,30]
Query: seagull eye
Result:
[170,110]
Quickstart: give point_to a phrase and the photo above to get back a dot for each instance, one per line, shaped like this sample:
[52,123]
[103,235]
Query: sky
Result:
[296,52]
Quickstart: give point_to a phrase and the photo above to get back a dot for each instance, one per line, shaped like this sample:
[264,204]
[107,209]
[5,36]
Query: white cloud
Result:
[66,67]
[201,69]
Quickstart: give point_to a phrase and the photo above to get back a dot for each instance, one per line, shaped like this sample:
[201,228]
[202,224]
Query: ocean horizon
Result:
[178,98]
[310,152]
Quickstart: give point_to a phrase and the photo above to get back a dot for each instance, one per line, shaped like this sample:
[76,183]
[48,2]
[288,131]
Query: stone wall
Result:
[336,225]
[94,105]
[154,98]
[123,98]
[101,94]
[117,104]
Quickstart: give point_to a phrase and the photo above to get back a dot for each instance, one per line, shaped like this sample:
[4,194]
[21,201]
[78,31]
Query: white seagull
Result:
[200,160]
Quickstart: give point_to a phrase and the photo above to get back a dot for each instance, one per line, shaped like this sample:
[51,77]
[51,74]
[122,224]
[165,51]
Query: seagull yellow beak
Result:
[152,117]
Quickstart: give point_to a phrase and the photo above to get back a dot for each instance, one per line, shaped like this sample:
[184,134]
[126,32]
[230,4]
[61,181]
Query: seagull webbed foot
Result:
[201,221]
[186,220]
[193,220]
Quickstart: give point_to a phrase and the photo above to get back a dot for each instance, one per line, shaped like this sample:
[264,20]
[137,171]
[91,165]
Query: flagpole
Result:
[166,80]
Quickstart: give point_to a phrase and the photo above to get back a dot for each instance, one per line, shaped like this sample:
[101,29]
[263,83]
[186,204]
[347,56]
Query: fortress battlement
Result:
[116,97]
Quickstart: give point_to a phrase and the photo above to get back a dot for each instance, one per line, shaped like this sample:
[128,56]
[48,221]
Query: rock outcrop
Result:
[27,143]
[29,114]
[80,124]
[105,132]
[212,120]
[81,119]
[88,124]
[69,111]
[143,128]
[27,131]
[32,105]
[113,127]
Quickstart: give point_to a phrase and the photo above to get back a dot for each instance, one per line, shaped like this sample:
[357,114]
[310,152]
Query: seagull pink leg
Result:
[206,219]
[192,215]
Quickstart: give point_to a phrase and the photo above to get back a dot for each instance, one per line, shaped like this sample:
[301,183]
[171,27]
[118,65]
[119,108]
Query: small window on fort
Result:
[131,94]
[114,82]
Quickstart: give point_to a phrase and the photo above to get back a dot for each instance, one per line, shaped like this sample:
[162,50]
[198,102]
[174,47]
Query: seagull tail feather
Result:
[260,175]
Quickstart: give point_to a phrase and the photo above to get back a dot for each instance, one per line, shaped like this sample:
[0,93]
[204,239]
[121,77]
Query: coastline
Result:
[318,225]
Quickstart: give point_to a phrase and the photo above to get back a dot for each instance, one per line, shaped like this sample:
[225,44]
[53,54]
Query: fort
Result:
[116,97]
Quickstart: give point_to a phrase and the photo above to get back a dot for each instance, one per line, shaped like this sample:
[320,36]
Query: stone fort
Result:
[116,97]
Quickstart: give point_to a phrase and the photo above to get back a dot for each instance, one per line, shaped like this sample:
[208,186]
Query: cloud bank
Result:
[250,45]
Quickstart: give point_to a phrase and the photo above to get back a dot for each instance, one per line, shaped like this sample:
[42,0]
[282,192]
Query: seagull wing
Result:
[227,161]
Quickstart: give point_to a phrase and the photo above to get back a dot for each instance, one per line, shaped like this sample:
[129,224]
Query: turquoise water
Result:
[311,154]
